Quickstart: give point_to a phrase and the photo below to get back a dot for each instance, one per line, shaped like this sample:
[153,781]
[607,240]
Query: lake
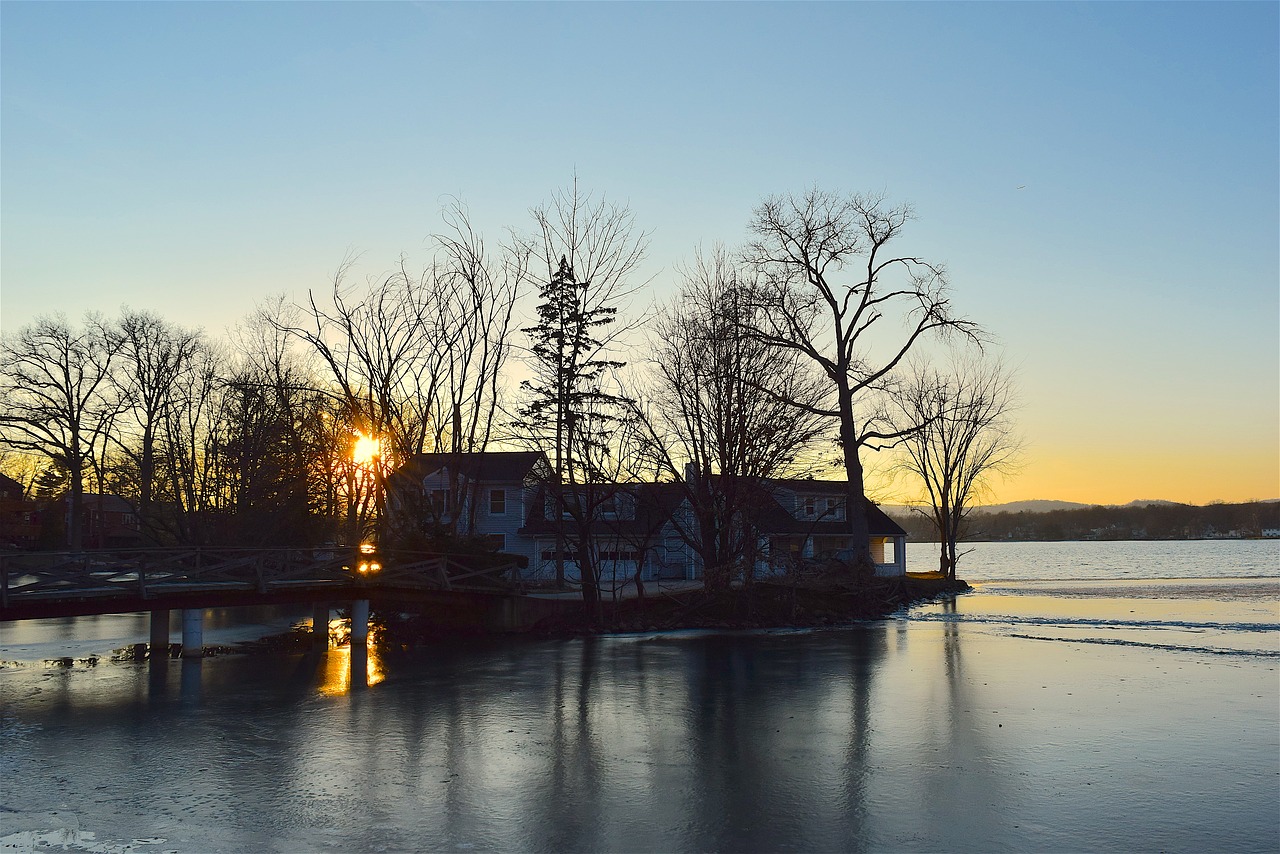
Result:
[1085,697]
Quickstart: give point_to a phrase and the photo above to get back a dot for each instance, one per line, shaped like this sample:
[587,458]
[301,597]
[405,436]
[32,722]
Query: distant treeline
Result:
[1147,522]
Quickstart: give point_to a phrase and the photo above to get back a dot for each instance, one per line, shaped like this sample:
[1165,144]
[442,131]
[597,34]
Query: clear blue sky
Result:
[1100,178]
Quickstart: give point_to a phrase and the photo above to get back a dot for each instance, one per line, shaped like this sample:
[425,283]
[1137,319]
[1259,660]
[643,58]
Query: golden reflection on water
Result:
[339,668]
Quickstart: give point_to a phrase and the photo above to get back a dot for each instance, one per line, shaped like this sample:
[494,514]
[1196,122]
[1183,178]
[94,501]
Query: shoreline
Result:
[759,605]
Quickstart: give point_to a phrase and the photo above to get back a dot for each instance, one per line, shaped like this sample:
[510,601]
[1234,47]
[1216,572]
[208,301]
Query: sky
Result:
[1101,180]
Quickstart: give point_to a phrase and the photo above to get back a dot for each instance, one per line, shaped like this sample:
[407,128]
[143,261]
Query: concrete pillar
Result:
[359,622]
[160,632]
[320,625]
[192,632]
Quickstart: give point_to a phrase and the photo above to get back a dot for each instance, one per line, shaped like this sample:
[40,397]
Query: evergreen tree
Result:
[569,409]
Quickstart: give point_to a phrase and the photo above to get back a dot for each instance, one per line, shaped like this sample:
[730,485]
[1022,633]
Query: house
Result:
[510,498]
[815,525]
[634,531]
[108,521]
[487,494]
[19,517]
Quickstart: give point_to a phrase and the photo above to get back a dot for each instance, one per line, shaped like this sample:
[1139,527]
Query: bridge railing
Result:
[146,573]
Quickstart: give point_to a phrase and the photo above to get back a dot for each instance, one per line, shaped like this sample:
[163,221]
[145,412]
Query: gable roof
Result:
[654,505]
[10,488]
[491,466]
[878,523]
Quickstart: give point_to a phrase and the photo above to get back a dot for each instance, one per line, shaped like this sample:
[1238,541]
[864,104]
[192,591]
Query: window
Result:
[440,503]
[550,555]
[498,541]
[498,502]
[625,554]
[609,506]
[809,506]
[568,499]
[835,508]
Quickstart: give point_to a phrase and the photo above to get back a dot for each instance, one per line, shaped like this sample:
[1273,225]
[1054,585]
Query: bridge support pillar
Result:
[359,622]
[159,632]
[192,632]
[320,625]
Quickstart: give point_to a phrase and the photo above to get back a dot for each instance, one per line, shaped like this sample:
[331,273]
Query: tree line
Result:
[1156,521]
[817,341]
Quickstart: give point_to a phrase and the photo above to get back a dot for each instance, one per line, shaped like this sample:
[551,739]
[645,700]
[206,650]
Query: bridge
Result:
[475,590]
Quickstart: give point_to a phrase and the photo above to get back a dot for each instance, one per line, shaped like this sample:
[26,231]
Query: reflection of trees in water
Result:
[568,808]
[767,720]
[949,806]
[867,649]
[732,742]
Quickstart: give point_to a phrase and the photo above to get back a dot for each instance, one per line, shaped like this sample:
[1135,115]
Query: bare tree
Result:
[829,278]
[958,431]
[417,359]
[189,465]
[154,356]
[728,410]
[58,399]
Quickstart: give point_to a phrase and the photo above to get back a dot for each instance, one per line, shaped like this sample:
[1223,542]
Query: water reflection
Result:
[192,670]
[351,667]
[883,737]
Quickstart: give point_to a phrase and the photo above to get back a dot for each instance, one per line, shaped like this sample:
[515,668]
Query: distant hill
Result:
[1046,505]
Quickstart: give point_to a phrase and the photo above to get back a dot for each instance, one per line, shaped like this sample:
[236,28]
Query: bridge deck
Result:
[63,584]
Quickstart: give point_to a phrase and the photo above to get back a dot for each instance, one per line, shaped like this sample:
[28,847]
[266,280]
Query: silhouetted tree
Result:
[154,357]
[417,358]
[724,410]
[58,399]
[958,432]
[572,405]
[828,278]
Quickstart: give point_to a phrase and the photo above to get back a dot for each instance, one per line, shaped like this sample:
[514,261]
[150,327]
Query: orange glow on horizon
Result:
[1191,476]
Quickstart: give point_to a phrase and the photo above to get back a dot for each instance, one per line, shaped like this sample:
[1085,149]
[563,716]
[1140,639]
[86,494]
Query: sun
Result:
[365,449]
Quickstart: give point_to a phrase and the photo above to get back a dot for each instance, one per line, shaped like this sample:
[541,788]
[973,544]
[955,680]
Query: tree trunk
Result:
[855,495]
[75,504]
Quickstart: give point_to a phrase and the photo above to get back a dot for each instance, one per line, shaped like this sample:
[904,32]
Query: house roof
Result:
[10,488]
[657,502]
[654,505]
[494,466]
[105,502]
[771,517]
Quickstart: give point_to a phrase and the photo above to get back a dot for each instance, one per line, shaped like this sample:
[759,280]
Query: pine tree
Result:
[569,409]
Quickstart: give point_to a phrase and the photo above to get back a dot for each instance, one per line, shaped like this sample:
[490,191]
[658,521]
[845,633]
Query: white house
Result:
[509,498]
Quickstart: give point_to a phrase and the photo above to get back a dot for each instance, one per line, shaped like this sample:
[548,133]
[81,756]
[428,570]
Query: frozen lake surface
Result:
[1055,714]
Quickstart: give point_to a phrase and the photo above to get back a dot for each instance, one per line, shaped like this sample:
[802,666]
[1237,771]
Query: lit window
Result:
[498,502]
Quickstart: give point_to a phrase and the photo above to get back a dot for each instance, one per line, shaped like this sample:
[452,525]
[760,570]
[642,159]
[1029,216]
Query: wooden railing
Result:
[146,573]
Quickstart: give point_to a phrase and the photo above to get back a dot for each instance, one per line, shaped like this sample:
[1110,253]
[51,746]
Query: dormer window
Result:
[498,502]
[835,508]
[563,512]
